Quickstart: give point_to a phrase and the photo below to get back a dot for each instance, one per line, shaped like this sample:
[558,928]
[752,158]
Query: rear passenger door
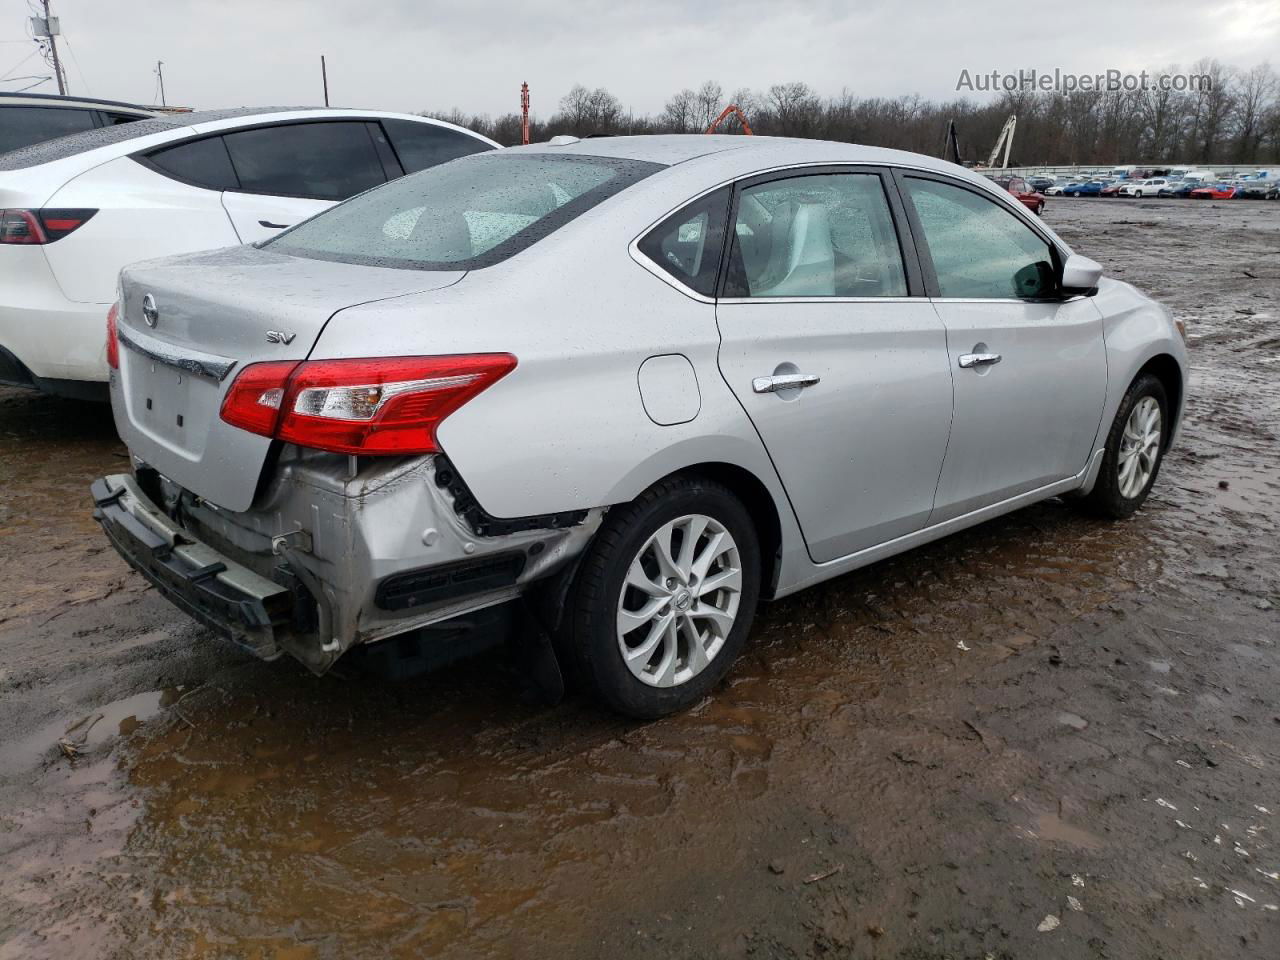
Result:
[290,171]
[838,358]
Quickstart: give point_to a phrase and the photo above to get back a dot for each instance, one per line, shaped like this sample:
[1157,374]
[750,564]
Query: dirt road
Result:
[1046,737]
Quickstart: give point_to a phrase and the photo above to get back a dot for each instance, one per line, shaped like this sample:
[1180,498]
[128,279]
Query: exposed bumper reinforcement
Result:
[225,596]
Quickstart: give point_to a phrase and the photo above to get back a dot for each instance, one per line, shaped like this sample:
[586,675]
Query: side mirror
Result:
[1080,275]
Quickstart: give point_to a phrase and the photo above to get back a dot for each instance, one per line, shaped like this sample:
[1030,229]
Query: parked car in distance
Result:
[1215,191]
[1059,187]
[73,211]
[1041,183]
[1178,188]
[1086,189]
[1114,188]
[27,118]
[1030,198]
[1260,190]
[1145,188]
[631,380]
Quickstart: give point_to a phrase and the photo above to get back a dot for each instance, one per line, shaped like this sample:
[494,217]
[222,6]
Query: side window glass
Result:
[688,243]
[202,162]
[826,235]
[422,145]
[22,126]
[979,249]
[325,161]
[115,119]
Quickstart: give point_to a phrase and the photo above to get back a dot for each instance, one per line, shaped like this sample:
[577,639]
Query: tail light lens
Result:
[41,226]
[389,405]
[113,340]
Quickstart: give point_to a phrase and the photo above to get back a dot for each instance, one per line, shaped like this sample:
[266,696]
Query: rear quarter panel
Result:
[566,430]
[141,215]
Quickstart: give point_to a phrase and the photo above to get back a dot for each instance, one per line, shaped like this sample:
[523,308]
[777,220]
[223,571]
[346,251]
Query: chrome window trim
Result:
[746,300]
[633,248]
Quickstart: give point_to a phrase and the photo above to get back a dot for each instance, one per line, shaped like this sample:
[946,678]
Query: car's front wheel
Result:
[1134,451]
[665,597]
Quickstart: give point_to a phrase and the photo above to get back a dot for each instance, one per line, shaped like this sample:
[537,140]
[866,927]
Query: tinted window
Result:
[422,145]
[828,235]
[688,243]
[112,119]
[483,209]
[202,162]
[327,161]
[21,126]
[979,249]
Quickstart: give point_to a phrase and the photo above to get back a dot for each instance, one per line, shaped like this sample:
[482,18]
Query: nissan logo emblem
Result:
[150,312]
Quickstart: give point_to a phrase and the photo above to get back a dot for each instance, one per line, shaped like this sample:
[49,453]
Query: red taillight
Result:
[113,341]
[41,226]
[388,405]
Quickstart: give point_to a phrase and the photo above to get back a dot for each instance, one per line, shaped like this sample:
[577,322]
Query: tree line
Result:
[1233,119]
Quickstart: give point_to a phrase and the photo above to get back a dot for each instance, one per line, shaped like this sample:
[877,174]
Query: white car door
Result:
[1029,366]
[842,371]
[290,171]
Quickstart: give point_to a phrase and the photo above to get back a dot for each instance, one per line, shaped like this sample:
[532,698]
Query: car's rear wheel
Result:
[1134,451]
[665,597]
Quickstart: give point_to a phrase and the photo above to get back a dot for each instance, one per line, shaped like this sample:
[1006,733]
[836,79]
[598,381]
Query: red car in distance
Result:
[1030,197]
[1214,191]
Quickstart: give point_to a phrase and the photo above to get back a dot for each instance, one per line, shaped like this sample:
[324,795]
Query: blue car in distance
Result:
[1086,189]
[1179,188]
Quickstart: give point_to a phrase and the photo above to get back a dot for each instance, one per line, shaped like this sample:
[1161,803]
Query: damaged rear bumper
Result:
[331,557]
[225,596]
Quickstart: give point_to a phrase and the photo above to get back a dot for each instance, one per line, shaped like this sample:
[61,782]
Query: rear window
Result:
[23,126]
[464,215]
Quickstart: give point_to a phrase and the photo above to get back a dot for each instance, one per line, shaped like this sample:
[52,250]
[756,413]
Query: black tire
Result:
[590,642]
[1106,500]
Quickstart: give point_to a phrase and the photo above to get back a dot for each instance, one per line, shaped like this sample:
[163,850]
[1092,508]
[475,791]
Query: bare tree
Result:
[710,103]
[680,113]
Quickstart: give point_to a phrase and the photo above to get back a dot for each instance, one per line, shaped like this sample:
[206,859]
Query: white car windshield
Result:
[463,215]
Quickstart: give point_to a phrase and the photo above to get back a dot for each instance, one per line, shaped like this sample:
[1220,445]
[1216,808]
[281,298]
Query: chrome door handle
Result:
[968,360]
[785,381]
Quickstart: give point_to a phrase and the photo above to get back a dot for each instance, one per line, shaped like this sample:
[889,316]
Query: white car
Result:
[1057,188]
[1145,188]
[75,210]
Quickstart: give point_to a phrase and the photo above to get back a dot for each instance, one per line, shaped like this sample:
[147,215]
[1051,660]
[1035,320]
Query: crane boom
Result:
[1004,140]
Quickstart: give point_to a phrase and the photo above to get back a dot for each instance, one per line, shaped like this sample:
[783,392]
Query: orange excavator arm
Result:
[731,109]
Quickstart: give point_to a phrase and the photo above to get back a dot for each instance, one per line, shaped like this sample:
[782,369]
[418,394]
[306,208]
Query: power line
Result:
[18,64]
[76,60]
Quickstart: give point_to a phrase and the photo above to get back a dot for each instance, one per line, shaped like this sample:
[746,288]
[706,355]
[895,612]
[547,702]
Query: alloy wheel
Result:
[679,600]
[1139,447]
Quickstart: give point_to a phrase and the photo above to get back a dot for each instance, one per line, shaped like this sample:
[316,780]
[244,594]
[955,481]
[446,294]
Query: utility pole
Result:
[160,74]
[324,77]
[53,48]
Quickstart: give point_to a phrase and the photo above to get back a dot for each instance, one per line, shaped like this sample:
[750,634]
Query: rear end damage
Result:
[336,552]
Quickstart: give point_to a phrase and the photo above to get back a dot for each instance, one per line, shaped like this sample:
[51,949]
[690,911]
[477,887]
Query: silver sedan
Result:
[639,383]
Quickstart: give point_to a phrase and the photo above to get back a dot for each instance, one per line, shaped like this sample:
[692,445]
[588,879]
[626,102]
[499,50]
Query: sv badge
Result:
[279,336]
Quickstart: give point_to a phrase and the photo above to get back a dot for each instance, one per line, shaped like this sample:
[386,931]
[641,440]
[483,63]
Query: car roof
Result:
[61,100]
[677,148]
[184,124]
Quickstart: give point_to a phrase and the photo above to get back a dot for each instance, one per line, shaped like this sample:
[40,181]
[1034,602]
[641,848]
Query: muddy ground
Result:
[1046,737]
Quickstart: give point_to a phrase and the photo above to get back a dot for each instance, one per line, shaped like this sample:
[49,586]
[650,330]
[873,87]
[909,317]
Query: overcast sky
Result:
[415,55]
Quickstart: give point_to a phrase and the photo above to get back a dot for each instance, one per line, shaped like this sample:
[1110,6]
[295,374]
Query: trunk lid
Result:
[210,315]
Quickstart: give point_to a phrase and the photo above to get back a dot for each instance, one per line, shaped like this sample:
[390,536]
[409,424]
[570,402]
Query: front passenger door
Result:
[1029,367]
